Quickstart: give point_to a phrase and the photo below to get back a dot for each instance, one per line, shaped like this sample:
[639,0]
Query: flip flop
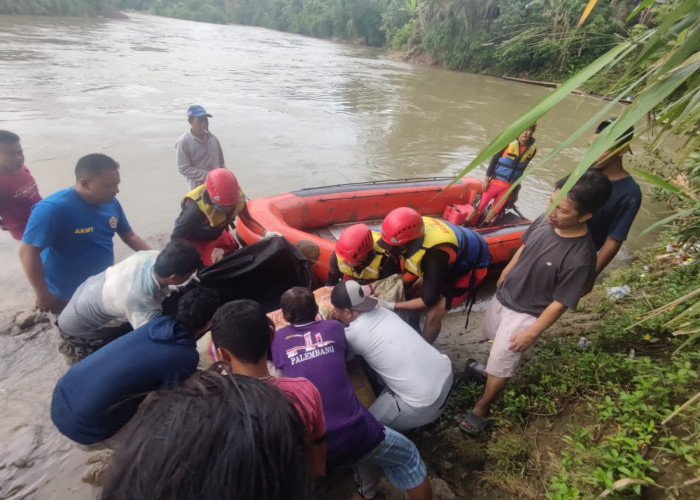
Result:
[474,371]
[473,424]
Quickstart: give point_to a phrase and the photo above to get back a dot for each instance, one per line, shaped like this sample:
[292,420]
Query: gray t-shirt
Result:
[196,158]
[550,268]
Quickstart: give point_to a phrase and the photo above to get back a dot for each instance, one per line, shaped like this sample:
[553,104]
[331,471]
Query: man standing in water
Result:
[198,151]
[18,191]
[69,234]
[611,223]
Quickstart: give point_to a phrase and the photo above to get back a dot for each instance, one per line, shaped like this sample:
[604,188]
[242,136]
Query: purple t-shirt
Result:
[316,351]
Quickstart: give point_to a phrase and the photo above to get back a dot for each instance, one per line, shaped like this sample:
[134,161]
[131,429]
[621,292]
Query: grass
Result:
[608,403]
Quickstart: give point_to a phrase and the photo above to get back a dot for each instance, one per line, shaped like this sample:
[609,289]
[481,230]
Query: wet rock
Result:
[441,490]
[6,326]
[22,463]
[28,319]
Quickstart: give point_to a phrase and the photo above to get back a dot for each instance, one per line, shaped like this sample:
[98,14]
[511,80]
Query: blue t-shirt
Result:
[615,218]
[100,394]
[76,237]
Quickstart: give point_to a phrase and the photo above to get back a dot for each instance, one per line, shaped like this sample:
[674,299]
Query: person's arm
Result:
[607,253]
[221,154]
[522,340]
[30,257]
[334,274]
[318,444]
[435,265]
[249,218]
[625,211]
[510,266]
[493,163]
[133,241]
[188,222]
[318,458]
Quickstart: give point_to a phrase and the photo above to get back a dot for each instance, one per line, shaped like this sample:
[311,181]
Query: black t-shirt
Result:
[550,268]
[189,224]
[435,264]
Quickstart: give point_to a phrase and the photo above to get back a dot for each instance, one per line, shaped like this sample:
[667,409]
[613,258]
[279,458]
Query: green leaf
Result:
[508,135]
[668,219]
[646,101]
[644,5]
[659,182]
[669,20]
[689,45]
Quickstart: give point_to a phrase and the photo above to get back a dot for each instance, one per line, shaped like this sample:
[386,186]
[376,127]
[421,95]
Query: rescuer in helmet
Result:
[444,262]
[358,256]
[208,211]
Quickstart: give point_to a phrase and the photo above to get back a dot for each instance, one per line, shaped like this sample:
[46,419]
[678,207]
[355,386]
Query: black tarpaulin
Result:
[261,272]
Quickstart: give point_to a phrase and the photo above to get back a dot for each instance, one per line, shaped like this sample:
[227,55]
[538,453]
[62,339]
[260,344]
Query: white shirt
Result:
[130,290]
[411,368]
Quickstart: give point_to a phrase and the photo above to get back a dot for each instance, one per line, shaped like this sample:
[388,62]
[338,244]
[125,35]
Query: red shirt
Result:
[307,401]
[18,194]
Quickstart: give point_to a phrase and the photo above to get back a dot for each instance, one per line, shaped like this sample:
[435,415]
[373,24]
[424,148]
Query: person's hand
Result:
[386,304]
[48,302]
[484,185]
[216,255]
[270,234]
[522,340]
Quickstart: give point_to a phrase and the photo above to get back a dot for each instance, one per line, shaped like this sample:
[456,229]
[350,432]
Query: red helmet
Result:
[222,187]
[354,244]
[402,225]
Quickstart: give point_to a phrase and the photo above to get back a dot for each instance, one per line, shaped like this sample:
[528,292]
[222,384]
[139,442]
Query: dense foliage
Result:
[349,19]
[531,38]
[612,400]
[520,37]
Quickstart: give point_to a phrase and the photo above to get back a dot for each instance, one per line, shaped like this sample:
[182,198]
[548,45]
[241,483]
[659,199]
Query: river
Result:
[290,112]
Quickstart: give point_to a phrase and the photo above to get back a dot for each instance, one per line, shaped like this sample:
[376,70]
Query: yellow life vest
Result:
[369,272]
[437,233]
[215,217]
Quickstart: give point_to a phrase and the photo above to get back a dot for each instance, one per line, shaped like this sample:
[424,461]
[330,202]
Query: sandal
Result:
[473,424]
[474,371]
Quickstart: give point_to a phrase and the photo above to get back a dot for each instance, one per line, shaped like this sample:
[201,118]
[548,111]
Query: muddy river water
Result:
[290,112]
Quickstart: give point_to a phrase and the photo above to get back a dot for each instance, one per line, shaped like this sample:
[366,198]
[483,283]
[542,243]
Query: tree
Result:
[663,65]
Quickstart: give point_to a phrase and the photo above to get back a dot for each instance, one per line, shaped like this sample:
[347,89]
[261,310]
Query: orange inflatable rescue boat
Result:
[313,218]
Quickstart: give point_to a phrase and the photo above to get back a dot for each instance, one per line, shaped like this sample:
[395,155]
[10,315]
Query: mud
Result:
[37,462]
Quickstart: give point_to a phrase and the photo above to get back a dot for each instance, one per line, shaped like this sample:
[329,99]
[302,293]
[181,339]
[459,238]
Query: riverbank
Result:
[576,421]
[593,420]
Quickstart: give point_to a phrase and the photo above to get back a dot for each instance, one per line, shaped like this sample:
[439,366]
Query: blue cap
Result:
[196,111]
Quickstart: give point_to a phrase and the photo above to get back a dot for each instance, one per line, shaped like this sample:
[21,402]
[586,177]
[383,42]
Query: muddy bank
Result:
[37,462]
